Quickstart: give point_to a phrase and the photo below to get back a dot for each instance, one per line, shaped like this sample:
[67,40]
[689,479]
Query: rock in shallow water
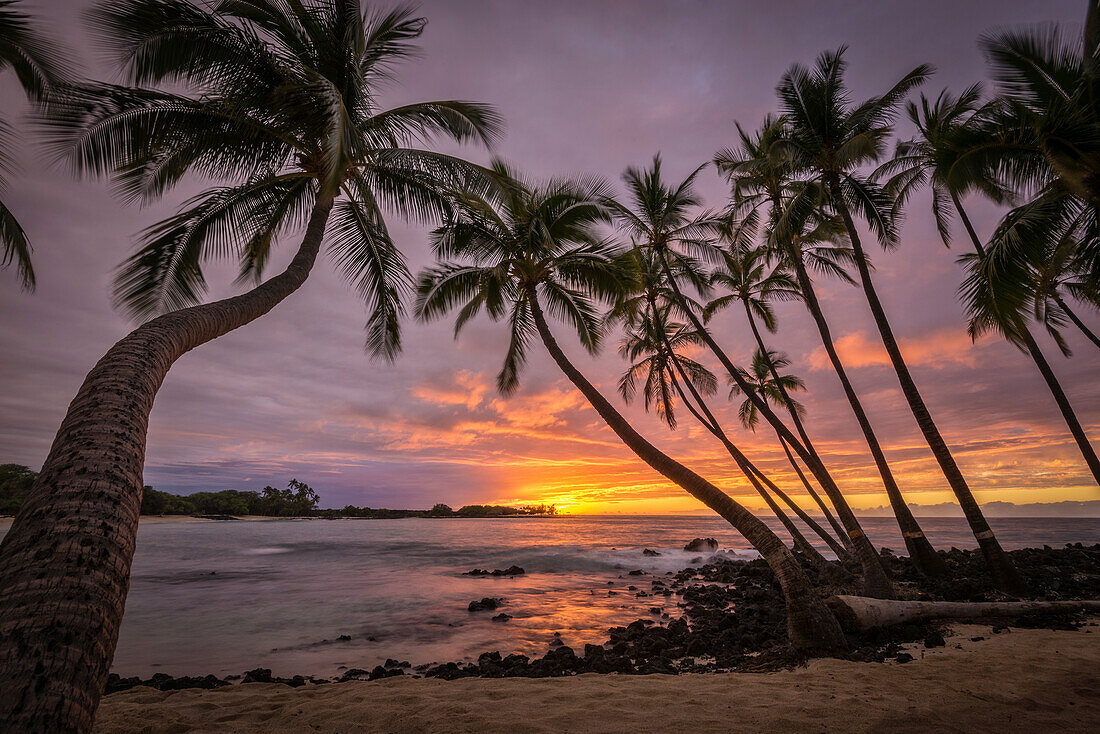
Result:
[702,544]
[510,571]
[487,604]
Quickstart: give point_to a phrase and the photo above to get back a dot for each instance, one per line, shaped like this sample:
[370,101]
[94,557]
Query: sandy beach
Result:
[1022,680]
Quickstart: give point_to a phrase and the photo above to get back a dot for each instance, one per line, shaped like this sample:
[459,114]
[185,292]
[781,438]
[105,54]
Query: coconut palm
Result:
[745,274]
[763,375]
[1041,138]
[829,137]
[653,347]
[535,250]
[278,100]
[39,68]
[659,220]
[935,159]
[1059,275]
[763,187]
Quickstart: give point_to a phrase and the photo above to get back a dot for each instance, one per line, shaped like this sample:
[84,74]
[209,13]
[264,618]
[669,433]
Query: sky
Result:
[585,88]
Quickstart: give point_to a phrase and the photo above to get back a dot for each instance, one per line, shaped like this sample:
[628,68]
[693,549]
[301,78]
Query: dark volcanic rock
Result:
[702,544]
[650,552]
[258,675]
[502,617]
[487,604]
[510,571]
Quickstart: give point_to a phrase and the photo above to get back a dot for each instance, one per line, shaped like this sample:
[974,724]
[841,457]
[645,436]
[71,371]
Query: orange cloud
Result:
[942,347]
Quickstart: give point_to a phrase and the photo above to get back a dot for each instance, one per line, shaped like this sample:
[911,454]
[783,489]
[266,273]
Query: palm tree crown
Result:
[650,346]
[937,158]
[830,138]
[280,101]
[39,68]
[500,252]
[760,376]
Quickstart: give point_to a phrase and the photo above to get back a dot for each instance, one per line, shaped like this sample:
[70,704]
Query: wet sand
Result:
[1023,680]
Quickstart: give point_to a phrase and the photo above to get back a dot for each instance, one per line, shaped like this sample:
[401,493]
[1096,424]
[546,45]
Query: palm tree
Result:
[278,99]
[538,245]
[745,274]
[39,68]
[659,221]
[652,346]
[933,160]
[761,177]
[1059,274]
[1041,136]
[775,388]
[829,137]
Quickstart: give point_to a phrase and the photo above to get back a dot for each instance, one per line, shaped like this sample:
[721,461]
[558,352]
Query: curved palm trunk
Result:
[921,552]
[1045,370]
[798,425]
[875,581]
[841,553]
[810,624]
[1000,566]
[822,533]
[65,562]
[708,420]
[813,493]
[752,473]
[1077,320]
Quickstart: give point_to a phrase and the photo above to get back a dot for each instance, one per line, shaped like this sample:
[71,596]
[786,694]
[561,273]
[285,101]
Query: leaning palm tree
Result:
[39,69]
[658,219]
[277,99]
[653,347]
[1059,276]
[533,251]
[744,272]
[830,138]
[1041,138]
[763,187]
[764,377]
[935,159]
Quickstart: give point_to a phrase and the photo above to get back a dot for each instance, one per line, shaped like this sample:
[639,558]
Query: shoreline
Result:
[6,521]
[1026,679]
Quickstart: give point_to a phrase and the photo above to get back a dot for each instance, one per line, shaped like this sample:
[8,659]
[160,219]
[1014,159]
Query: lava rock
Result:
[487,604]
[650,552]
[702,544]
[510,571]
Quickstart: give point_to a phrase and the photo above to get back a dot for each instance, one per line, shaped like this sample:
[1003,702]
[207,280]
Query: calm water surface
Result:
[223,597]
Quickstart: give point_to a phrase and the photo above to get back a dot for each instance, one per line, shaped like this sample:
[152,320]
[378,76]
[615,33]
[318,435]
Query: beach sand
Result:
[1018,681]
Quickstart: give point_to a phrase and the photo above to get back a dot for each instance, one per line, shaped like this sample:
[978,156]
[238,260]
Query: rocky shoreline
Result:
[733,620]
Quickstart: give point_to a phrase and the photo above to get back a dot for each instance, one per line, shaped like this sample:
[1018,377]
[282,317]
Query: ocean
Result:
[315,597]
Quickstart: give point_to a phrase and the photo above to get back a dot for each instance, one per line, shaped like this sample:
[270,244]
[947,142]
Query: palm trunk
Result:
[1076,320]
[875,581]
[921,552]
[752,473]
[1045,370]
[796,420]
[809,624]
[1003,572]
[710,422]
[820,502]
[65,562]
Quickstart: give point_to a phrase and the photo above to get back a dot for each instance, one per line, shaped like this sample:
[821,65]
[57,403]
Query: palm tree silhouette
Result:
[830,138]
[533,245]
[278,99]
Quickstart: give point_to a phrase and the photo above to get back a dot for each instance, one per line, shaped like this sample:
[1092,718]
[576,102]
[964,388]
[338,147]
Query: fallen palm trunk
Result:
[858,613]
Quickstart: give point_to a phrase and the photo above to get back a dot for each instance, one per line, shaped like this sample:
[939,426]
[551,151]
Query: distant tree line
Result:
[297,500]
